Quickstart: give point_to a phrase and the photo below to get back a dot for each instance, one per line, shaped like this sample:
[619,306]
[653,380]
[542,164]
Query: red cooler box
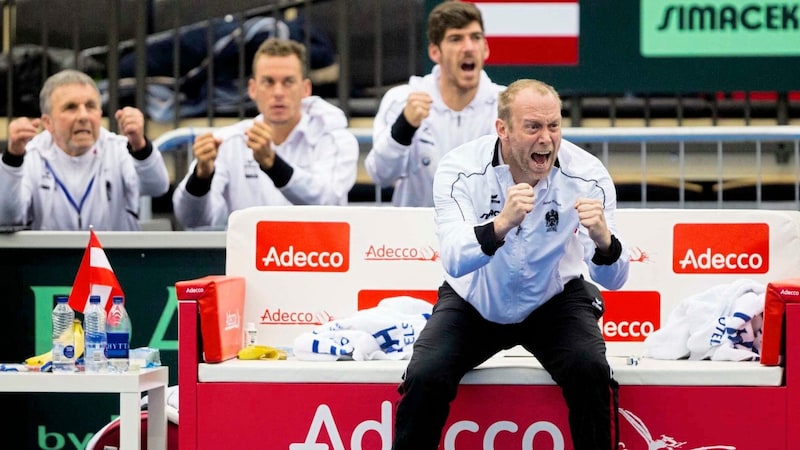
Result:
[779,293]
[220,301]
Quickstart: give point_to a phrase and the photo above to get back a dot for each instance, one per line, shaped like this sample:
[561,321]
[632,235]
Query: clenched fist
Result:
[205,149]
[418,106]
[20,132]
[131,124]
[592,216]
[519,202]
[259,139]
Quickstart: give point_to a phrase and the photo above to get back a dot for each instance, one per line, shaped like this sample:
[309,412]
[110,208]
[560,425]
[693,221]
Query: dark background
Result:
[147,277]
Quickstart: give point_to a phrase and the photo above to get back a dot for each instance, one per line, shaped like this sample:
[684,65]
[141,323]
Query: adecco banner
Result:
[679,253]
[307,265]
[315,416]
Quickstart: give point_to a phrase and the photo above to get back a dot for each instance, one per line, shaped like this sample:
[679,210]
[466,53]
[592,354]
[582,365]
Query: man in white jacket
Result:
[76,174]
[420,121]
[296,151]
[520,217]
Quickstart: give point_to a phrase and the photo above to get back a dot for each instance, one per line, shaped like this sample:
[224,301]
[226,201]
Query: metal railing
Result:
[338,19]
[683,167]
[709,162]
[652,166]
[369,58]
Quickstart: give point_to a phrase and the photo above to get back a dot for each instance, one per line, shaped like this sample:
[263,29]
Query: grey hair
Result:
[62,78]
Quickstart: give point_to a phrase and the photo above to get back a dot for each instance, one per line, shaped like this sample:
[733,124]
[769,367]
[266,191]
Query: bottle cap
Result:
[94,299]
[251,326]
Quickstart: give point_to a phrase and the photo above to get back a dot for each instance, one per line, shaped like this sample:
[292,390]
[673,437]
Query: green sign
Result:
[31,275]
[729,28]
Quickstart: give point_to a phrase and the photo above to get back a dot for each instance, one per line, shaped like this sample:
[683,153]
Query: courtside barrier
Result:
[306,265]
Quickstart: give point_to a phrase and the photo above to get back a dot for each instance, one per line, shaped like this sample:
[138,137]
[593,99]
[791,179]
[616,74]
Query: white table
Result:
[130,387]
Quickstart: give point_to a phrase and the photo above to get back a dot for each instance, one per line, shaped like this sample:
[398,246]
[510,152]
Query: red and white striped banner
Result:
[531,32]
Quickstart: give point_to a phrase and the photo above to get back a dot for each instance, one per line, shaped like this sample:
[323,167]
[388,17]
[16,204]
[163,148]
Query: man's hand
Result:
[519,201]
[205,149]
[418,106]
[20,132]
[131,124]
[591,215]
[259,139]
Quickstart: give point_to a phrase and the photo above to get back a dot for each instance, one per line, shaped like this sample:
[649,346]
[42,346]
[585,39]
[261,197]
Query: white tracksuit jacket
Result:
[411,167]
[320,156]
[546,251]
[103,186]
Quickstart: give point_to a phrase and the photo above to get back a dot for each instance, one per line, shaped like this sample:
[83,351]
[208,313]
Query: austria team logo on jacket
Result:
[302,246]
[706,248]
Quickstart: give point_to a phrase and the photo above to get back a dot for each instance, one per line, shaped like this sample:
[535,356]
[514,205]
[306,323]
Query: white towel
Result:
[721,323]
[387,331]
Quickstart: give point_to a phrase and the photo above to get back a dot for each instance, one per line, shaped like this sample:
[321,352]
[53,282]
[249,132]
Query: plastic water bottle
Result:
[118,333]
[252,334]
[94,329]
[63,336]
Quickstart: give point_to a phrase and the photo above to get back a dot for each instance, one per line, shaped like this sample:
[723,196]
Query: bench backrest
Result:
[305,265]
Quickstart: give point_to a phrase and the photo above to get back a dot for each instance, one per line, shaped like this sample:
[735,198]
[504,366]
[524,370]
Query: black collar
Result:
[496,158]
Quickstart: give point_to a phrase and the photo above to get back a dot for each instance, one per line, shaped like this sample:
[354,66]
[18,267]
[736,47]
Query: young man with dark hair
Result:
[417,123]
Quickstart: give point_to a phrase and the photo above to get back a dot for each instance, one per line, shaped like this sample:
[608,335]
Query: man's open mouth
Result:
[539,157]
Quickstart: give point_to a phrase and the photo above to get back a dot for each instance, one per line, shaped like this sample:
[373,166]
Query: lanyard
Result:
[75,205]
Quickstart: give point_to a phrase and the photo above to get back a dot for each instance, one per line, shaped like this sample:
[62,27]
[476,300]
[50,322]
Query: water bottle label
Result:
[117,346]
[69,351]
[58,352]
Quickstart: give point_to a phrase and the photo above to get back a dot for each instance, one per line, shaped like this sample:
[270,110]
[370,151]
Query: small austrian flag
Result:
[531,32]
[95,277]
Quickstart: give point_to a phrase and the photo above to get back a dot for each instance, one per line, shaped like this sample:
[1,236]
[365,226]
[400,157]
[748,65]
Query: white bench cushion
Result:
[499,370]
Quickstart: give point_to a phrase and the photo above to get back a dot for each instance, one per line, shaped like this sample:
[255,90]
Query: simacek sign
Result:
[734,28]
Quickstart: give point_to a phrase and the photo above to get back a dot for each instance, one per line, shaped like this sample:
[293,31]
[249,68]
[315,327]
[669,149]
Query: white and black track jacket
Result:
[506,282]
[407,157]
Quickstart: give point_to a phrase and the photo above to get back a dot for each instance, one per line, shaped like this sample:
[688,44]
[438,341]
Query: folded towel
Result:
[720,323]
[386,331]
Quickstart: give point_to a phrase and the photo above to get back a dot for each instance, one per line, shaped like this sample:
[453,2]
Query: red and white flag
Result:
[94,277]
[523,32]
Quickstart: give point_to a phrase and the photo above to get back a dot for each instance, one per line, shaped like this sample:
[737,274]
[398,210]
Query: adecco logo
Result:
[385,252]
[720,248]
[303,246]
[630,316]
